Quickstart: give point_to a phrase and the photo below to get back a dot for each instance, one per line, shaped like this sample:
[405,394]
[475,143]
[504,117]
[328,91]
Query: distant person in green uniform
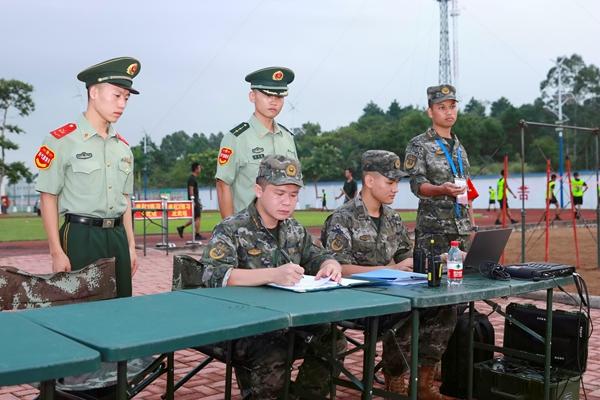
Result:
[578,188]
[192,191]
[502,187]
[350,187]
[86,175]
[492,202]
[551,197]
[244,147]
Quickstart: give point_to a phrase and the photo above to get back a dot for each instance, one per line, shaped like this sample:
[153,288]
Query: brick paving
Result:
[154,275]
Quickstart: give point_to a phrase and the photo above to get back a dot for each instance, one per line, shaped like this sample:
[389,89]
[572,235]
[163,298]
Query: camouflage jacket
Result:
[354,238]
[241,241]
[426,162]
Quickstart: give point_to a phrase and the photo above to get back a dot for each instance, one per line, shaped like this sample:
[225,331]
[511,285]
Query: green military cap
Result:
[272,81]
[437,94]
[279,170]
[385,162]
[118,71]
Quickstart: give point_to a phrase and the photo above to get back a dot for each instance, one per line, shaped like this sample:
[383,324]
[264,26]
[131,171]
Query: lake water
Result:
[535,184]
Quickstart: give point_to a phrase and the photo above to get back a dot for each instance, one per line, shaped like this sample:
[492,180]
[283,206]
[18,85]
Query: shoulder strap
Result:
[238,130]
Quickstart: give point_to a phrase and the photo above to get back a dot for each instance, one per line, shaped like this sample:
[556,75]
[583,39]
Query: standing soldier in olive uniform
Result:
[259,245]
[86,174]
[438,166]
[243,148]
[367,234]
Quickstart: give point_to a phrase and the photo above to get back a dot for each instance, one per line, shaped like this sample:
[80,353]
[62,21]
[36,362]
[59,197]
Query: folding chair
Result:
[23,290]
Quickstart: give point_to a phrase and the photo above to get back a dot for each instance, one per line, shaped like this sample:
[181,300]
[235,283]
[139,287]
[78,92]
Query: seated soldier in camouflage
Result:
[367,234]
[263,244]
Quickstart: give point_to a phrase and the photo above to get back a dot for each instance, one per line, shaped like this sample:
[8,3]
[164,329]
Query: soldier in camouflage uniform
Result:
[263,244]
[366,234]
[433,179]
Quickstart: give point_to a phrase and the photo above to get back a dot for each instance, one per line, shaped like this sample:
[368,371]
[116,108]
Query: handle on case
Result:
[508,396]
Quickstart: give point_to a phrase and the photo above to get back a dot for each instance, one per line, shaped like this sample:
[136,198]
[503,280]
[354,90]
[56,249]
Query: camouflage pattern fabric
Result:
[435,328]
[280,170]
[261,373]
[187,273]
[241,241]
[20,289]
[425,162]
[385,162]
[353,237]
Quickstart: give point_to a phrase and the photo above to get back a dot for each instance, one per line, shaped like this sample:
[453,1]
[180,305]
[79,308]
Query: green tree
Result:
[475,107]
[15,95]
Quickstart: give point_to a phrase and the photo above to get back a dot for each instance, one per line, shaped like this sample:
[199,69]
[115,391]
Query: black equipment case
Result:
[570,331]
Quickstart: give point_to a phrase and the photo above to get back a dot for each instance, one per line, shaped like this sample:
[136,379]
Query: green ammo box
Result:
[512,379]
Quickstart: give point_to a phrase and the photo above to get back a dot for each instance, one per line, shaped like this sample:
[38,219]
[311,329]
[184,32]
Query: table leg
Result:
[333,361]
[414,353]
[122,380]
[170,391]
[228,369]
[369,357]
[47,390]
[470,353]
[548,344]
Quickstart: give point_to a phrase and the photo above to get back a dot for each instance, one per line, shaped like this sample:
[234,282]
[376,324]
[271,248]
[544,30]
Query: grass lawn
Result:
[19,227]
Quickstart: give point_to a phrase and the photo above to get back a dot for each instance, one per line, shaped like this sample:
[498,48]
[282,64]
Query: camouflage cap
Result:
[272,81]
[279,170]
[385,162]
[118,71]
[437,94]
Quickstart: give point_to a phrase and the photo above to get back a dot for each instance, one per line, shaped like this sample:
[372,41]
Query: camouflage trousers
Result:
[85,244]
[441,241]
[260,363]
[436,325]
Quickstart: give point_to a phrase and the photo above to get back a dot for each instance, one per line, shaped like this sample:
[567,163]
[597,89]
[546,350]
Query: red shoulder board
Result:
[64,130]
[122,139]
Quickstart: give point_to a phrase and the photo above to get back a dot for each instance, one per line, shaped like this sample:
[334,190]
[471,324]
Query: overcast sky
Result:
[195,54]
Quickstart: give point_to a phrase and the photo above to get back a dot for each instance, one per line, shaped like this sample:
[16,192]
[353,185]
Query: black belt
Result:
[91,221]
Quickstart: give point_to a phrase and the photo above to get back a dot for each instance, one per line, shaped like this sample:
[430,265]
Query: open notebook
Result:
[308,283]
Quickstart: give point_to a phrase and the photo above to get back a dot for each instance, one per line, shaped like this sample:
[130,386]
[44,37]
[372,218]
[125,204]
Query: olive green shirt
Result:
[90,175]
[241,152]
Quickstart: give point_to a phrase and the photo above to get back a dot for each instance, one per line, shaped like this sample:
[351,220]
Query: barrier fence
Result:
[164,210]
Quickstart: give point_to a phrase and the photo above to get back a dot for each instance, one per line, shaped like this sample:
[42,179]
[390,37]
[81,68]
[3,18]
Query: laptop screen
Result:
[487,246]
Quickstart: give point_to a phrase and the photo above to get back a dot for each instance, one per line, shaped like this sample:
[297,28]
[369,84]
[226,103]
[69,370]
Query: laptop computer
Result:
[487,246]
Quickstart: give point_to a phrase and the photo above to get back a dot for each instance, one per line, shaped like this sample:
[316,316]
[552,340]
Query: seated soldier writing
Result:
[365,234]
[263,244]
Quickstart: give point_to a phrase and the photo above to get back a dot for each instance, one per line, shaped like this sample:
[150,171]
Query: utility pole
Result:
[561,158]
[454,14]
[145,167]
[445,74]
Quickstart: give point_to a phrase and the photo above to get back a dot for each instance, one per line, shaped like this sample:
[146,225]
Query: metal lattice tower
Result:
[445,63]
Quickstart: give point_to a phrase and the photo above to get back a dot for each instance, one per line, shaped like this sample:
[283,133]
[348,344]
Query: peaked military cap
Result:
[271,80]
[385,162]
[279,170]
[437,94]
[118,71]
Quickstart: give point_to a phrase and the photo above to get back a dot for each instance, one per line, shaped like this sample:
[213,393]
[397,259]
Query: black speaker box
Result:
[570,331]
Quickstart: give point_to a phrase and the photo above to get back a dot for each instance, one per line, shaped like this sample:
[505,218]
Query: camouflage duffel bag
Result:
[20,289]
[187,273]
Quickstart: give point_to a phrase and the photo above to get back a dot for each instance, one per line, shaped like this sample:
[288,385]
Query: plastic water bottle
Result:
[455,265]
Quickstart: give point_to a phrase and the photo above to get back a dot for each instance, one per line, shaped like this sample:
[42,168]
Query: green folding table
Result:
[474,288]
[126,328]
[318,308]
[32,353]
